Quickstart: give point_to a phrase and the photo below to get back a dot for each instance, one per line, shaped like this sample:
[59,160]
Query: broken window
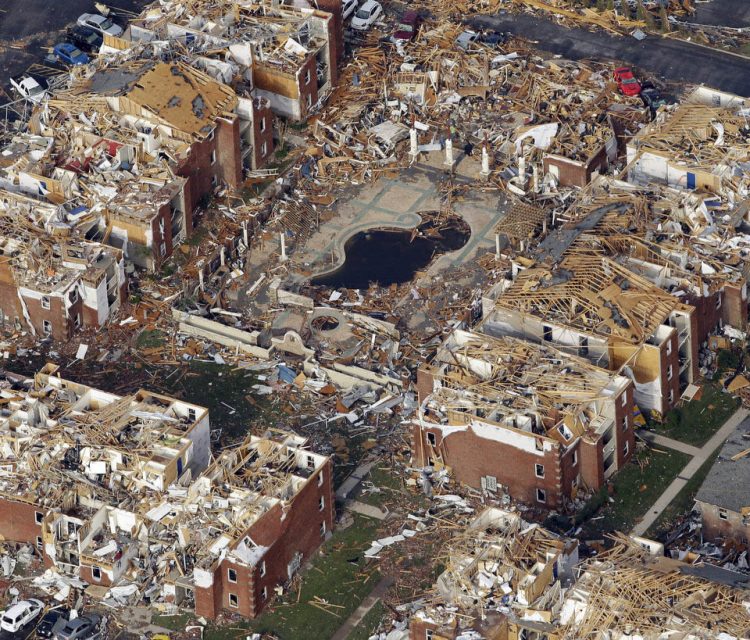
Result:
[626,448]
[547,333]
[73,296]
[232,575]
[264,593]
[583,346]
[191,414]
[38,517]
[39,542]
[96,573]
[264,150]
[723,514]
[624,399]
[262,124]
[233,600]
[541,495]
[45,302]
[431,440]
[429,634]
[308,76]
[213,157]
[262,568]
[310,462]
[575,457]
[669,372]
[539,470]
[321,503]
[47,326]
[77,321]
[212,135]
[718,300]
[323,529]
[671,396]
[625,423]
[320,479]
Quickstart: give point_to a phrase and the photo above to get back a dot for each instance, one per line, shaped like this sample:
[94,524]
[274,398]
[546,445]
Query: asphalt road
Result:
[669,59]
[726,13]
[35,26]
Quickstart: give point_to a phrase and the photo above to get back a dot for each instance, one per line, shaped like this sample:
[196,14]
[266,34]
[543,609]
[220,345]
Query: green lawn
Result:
[695,422]
[635,490]
[339,576]
[683,503]
[369,623]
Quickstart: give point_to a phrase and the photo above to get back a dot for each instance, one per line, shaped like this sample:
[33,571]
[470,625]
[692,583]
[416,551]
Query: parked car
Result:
[348,7]
[651,97]
[51,621]
[367,15]
[69,54]
[20,614]
[466,39]
[87,627]
[100,23]
[29,88]
[626,82]
[85,38]
[408,26]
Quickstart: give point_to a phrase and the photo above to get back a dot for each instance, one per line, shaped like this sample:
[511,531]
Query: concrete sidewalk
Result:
[363,609]
[670,493]
[669,443]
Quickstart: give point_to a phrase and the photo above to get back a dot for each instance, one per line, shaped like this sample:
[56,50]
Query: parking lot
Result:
[29,28]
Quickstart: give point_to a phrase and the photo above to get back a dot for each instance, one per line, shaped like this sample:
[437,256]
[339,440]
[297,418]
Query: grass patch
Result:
[683,503]
[370,623]
[150,339]
[695,422]
[634,491]
[338,575]
[228,395]
[175,623]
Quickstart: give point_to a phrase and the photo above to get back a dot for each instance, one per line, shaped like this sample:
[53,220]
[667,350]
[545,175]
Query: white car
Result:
[367,15]
[28,88]
[348,7]
[20,614]
[100,24]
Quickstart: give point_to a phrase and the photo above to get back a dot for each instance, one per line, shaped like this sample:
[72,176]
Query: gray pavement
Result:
[363,609]
[670,493]
[670,59]
[669,443]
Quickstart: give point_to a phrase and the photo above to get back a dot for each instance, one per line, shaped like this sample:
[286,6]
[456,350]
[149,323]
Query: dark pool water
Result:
[388,257]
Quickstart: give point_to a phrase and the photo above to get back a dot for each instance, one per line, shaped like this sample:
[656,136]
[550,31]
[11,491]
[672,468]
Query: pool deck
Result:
[395,203]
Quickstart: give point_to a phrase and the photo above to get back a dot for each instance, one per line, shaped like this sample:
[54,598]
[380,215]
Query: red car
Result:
[626,82]
[408,26]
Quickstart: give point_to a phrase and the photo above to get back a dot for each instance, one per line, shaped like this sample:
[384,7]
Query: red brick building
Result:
[514,415]
[147,499]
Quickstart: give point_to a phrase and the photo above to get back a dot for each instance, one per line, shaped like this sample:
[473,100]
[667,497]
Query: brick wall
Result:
[285,533]
[592,470]
[62,327]
[18,521]
[734,307]
[471,457]
[308,91]
[718,529]
[262,134]
[624,425]
[335,34]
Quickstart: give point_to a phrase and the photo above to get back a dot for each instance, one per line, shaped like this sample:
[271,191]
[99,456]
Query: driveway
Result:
[672,60]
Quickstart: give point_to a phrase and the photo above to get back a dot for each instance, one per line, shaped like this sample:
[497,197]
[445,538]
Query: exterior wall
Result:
[308,91]
[262,135]
[624,427]
[297,530]
[18,521]
[224,148]
[592,468]
[86,574]
[62,327]
[335,34]
[471,457]
[734,306]
[717,529]
[572,173]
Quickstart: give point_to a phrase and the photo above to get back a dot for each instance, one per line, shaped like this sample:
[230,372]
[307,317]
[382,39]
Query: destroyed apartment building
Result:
[284,55]
[54,282]
[503,579]
[123,493]
[508,415]
[594,307]
[506,578]
[693,146]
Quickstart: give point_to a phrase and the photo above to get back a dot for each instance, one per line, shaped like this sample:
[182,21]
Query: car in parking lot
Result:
[86,627]
[367,15]
[348,7]
[69,54]
[99,23]
[85,38]
[51,621]
[20,614]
